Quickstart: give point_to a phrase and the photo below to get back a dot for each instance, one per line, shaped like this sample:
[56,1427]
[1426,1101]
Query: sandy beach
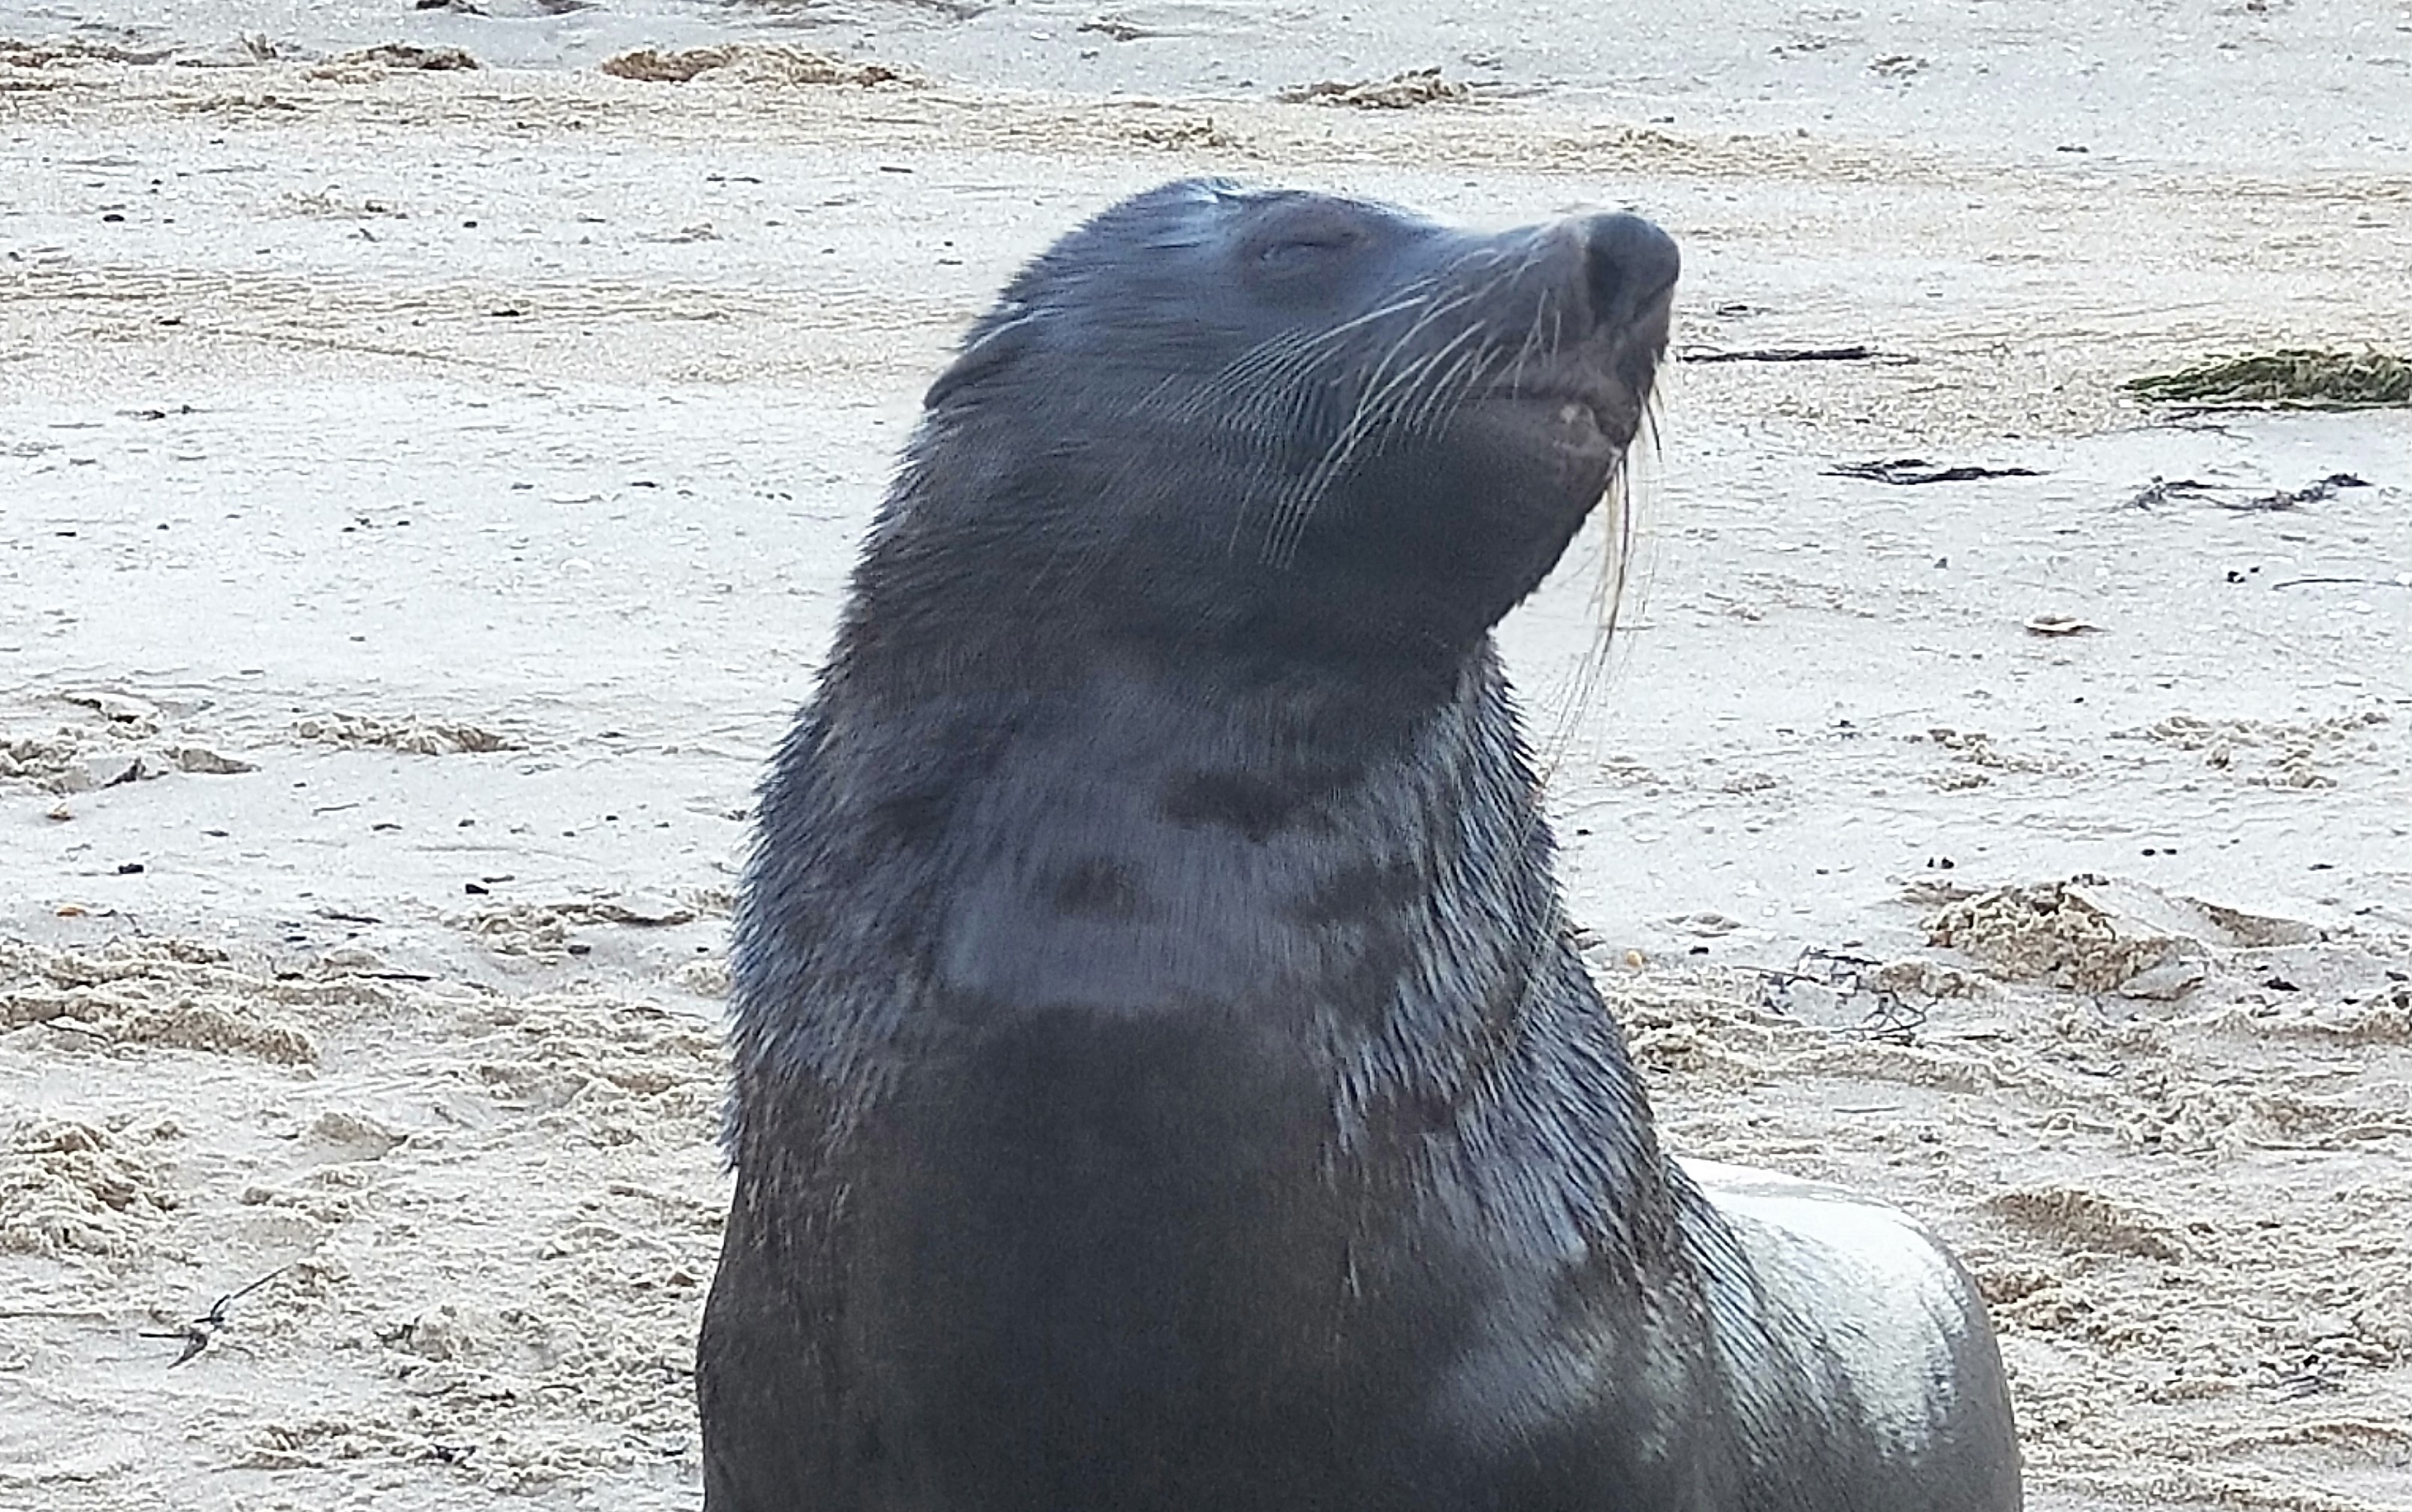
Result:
[425,493]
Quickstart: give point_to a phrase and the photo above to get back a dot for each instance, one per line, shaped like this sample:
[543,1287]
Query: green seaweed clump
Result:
[2296,378]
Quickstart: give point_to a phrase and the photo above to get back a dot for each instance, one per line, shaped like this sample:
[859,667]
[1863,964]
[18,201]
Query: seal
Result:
[1162,1076]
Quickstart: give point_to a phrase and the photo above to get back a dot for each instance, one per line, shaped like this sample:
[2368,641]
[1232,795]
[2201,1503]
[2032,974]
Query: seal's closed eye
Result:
[1305,243]
[1295,237]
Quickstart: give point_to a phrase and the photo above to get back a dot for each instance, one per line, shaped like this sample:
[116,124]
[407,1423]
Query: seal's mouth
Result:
[1580,419]
[1585,423]
[1615,284]
[1586,400]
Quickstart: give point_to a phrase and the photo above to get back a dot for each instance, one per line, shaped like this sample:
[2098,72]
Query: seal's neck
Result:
[1117,836]
[1333,648]
[1139,841]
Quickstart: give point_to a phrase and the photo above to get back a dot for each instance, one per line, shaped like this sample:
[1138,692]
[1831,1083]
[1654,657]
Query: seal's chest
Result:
[1104,1216]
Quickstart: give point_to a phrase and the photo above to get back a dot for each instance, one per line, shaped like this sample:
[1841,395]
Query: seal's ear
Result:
[1003,335]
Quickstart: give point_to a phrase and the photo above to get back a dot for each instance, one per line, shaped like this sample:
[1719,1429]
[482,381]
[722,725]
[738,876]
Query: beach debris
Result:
[1913,470]
[200,1333]
[1784,354]
[407,56]
[102,768]
[1865,998]
[2290,378]
[2291,498]
[201,758]
[1115,27]
[506,10]
[118,708]
[21,54]
[2058,625]
[644,909]
[2242,500]
[2401,579]
[1707,924]
[1200,131]
[1400,92]
[540,931]
[416,736]
[753,62]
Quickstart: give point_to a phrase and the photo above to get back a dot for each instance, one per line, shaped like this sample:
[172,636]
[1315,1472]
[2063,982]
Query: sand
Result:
[424,494]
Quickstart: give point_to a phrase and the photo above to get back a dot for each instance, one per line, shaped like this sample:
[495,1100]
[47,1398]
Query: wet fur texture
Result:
[1163,1081]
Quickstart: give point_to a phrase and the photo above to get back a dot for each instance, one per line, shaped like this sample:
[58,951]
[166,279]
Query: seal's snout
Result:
[1631,264]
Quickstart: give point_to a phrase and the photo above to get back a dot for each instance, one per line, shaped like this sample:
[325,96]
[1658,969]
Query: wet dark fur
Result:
[1163,1081]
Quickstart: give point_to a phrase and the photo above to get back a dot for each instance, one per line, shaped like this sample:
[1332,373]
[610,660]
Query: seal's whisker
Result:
[1507,277]
[1475,382]
[1294,354]
[1451,396]
[1525,260]
[1296,511]
[1329,337]
[1418,414]
[1267,359]
[1403,394]
[1281,360]
[1530,346]
[1271,415]
[1570,714]
[1652,410]
[1377,390]
[1246,407]
[1419,422]
[1467,265]
[1270,356]
[1391,414]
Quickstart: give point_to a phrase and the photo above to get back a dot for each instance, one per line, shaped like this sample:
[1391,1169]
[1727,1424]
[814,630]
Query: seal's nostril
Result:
[1631,262]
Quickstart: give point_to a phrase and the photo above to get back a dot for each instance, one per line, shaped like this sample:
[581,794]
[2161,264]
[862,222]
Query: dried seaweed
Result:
[2294,378]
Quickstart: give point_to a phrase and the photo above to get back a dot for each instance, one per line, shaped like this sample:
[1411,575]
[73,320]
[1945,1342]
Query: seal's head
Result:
[1286,422]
